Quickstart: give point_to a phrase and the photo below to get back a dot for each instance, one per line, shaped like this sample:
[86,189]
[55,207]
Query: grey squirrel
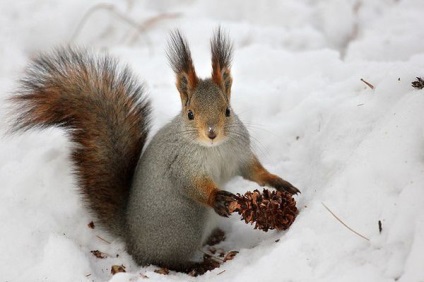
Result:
[158,201]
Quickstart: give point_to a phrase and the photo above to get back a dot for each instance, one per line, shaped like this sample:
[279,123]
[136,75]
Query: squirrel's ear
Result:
[180,59]
[222,50]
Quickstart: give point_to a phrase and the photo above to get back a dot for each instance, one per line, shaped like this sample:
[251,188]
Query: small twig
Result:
[345,225]
[87,15]
[221,272]
[104,240]
[367,83]
[380,226]
[102,6]
[142,27]
[138,27]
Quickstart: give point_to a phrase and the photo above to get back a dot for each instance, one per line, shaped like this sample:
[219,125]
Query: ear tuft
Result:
[179,57]
[222,50]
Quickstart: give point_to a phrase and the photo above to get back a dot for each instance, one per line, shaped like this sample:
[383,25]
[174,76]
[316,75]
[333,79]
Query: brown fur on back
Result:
[103,110]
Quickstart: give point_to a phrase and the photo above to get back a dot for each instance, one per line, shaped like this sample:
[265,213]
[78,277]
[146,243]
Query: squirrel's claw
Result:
[222,201]
[282,185]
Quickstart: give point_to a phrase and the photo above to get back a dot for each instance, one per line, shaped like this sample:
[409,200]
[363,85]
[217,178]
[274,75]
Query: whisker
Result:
[255,145]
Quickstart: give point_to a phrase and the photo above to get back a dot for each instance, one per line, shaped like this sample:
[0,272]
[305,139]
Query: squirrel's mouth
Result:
[207,142]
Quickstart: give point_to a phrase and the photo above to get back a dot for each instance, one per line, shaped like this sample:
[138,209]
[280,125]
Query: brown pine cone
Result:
[268,210]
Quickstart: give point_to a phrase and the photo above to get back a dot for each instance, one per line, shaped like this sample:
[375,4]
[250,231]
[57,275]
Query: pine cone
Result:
[268,210]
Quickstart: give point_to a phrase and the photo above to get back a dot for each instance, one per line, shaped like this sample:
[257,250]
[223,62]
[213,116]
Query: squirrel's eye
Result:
[190,115]
[227,112]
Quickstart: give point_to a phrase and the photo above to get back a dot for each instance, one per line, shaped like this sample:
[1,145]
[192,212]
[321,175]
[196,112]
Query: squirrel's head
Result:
[206,108]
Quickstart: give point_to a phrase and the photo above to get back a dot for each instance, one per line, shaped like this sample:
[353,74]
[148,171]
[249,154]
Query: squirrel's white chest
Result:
[221,163]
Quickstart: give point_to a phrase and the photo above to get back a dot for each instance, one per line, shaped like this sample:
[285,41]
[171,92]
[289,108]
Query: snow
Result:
[297,70]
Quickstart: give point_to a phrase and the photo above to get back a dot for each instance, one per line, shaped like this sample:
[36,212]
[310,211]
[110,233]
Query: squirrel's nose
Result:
[211,133]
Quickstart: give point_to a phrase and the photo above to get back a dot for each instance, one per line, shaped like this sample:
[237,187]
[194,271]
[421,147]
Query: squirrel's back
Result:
[102,107]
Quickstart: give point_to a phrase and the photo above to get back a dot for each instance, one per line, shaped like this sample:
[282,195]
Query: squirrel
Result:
[158,199]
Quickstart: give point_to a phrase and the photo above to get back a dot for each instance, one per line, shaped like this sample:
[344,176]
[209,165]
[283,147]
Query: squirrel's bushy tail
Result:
[103,110]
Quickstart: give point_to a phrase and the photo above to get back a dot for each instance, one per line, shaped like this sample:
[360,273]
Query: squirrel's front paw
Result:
[222,201]
[282,185]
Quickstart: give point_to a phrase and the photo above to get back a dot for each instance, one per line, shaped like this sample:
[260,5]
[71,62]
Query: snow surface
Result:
[297,70]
